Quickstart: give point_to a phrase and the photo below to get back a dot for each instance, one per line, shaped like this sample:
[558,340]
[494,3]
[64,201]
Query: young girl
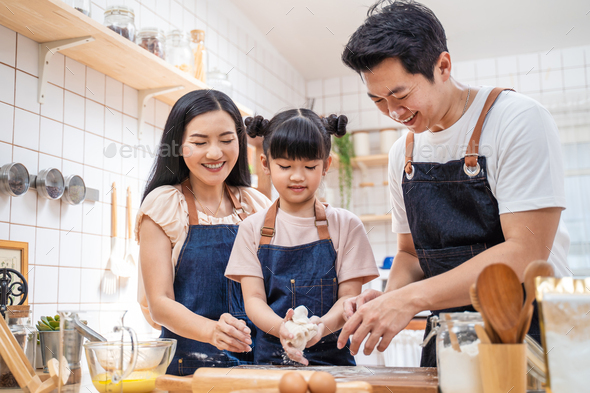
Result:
[198,192]
[299,251]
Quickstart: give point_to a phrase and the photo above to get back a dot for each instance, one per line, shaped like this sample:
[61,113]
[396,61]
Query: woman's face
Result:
[210,147]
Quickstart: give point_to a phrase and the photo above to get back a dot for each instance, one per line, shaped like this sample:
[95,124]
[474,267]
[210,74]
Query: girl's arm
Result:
[155,250]
[333,320]
[257,308]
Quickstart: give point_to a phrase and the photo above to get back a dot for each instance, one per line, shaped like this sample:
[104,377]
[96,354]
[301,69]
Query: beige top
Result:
[167,207]
[354,256]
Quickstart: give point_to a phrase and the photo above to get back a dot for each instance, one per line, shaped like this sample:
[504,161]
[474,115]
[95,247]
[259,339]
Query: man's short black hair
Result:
[404,29]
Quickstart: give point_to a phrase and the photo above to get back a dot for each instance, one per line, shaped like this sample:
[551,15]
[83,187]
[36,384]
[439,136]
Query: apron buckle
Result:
[271,234]
[316,222]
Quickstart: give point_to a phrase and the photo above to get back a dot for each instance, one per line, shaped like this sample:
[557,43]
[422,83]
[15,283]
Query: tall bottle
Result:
[200,54]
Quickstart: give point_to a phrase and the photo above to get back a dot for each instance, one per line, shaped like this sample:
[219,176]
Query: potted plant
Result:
[344,150]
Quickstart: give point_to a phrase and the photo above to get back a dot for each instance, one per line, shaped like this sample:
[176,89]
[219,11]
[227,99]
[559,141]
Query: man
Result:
[464,195]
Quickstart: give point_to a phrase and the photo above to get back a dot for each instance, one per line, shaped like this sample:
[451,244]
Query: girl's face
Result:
[296,181]
[210,147]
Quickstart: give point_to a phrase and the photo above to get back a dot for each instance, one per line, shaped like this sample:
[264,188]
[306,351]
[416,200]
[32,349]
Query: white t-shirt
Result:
[523,153]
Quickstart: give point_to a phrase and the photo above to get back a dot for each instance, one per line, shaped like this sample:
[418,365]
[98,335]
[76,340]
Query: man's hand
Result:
[383,318]
[354,303]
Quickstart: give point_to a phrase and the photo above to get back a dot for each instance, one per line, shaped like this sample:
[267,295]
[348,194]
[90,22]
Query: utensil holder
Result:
[503,367]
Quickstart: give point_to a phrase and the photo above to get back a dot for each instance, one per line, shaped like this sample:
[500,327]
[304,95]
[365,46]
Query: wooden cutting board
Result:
[382,379]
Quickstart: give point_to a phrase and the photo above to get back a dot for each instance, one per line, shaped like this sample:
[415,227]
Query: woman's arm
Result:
[155,250]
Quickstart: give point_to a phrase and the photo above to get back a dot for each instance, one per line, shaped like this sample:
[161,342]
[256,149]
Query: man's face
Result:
[409,99]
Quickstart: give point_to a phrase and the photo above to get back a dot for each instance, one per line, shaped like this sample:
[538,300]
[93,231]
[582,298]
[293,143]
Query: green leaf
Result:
[54,324]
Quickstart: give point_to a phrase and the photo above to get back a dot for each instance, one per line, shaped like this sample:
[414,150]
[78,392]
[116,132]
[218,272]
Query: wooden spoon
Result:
[500,296]
[533,270]
[488,327]
[482,335]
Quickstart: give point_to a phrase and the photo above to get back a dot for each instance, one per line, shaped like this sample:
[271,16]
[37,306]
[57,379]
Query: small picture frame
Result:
[15,255]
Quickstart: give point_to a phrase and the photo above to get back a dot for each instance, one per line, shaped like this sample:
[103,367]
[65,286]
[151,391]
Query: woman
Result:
[198,192]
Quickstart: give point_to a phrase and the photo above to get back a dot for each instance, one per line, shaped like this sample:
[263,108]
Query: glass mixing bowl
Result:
[105,359]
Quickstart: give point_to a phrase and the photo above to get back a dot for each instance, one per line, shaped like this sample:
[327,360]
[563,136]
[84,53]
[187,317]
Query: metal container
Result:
[75,190]
[14,179]
[50,348]
[49,183]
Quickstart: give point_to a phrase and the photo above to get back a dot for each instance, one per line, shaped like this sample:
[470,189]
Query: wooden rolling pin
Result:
[227,380]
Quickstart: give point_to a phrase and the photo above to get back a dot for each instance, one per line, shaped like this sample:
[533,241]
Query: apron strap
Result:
[472,148]
[193,215]
[409,152]
[268,229]
[238,209]
[189,196]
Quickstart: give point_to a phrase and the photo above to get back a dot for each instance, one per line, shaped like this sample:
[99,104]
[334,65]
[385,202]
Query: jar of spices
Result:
[218,80]
[178,51]
[153,40]
[18,319]
[121,19]
[81,5]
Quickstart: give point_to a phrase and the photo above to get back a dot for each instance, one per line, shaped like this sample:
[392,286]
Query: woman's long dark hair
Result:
[170,168]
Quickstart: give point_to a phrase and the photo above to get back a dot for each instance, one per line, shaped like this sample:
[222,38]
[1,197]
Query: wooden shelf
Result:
[115,56]
[375,218]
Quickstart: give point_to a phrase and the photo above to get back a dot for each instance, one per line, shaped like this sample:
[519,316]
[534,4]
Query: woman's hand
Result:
[352,304]
[284,335]
[320,332]
[231,334]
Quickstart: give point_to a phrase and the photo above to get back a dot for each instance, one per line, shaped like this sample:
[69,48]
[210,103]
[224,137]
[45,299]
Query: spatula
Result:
[109,279]
[534,269]
[500,297]
[128,265]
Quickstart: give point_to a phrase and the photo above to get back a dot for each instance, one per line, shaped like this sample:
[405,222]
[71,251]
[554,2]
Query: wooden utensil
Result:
[482,335]
[487,326]
[363,386]
[226,380]
[452,335]
[500,297]
[128,265]
[16,360]
[109,279]
[533,270]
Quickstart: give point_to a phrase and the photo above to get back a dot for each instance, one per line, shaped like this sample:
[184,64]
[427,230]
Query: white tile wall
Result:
[86,111]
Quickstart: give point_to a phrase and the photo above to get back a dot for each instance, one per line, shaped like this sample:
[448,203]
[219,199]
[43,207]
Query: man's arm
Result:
[406,268]
[528,236]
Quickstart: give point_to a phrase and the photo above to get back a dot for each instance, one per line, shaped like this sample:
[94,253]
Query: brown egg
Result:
[322,382]
[292,382]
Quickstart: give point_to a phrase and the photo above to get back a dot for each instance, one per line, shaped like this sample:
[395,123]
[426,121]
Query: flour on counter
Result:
[459,371]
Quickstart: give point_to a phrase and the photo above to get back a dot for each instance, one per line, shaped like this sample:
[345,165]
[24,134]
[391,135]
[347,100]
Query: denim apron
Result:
[295,276]
[453,216]
[201,286]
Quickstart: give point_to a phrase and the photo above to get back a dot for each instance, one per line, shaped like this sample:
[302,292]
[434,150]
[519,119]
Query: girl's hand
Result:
[320,332]
[284,335]
[231,334]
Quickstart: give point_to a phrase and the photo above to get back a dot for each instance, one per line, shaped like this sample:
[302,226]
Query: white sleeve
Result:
[399,219]
[530,173]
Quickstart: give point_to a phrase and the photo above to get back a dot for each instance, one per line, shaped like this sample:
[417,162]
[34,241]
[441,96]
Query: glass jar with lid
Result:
[153,40]
[218,80]
[178,51]
[200,54]
[81,5]
[458,366]
[121,19]
[18,319]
